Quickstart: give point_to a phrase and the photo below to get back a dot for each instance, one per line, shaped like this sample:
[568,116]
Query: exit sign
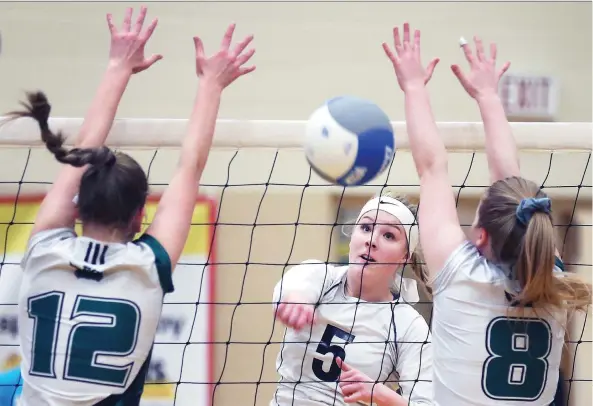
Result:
[529,97]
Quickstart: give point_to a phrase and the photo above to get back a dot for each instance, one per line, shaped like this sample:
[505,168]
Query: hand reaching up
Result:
[483,77]
[226,65]
[127,44]
[406,62]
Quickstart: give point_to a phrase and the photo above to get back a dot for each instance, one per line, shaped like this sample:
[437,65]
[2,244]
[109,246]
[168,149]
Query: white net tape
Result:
[263,210]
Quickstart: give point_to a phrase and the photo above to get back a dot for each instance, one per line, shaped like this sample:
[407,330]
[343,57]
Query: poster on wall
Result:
[182,350]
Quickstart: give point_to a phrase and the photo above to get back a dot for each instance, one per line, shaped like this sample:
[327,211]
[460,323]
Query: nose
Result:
[370,242]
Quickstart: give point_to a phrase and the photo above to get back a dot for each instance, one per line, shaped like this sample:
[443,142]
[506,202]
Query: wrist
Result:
[117,68]
[383,396]
[488,97]
[388,397]
[414,89]
[209,85]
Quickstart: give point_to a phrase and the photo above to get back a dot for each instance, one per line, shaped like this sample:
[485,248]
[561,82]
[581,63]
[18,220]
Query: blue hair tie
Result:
[530,205]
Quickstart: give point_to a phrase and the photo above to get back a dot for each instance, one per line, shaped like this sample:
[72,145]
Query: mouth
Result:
[367,258]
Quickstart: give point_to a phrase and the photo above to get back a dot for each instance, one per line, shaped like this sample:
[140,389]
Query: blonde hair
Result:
[416,259]
[526,244]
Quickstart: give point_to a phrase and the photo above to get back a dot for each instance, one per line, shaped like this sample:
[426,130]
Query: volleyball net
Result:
[262,210]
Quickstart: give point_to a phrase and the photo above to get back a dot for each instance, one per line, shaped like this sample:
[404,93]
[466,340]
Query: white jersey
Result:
[388,341]
[481,355]
[88,313]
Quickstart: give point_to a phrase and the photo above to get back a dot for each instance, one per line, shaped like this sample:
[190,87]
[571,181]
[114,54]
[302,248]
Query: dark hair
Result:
[527,246]
[112,189]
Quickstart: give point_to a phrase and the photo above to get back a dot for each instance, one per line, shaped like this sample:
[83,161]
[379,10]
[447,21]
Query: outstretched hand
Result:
[407,64]
[127,44]
[483,77]
[226,65]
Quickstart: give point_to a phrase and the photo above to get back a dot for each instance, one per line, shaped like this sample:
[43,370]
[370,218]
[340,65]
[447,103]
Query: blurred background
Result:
[264,217]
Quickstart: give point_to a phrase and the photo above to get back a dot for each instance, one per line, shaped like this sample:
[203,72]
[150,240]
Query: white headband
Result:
[400,211]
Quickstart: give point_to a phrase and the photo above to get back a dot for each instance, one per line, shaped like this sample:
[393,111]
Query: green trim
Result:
[162,262]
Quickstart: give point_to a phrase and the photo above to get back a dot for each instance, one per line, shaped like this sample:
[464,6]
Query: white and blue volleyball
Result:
[349,141]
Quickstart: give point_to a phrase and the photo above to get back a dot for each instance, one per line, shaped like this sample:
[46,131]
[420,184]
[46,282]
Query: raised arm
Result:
[440,232]
[126,56]
[173,217]
[482,85]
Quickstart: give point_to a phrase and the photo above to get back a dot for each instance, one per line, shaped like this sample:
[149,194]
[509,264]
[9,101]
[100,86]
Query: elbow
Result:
[437,165]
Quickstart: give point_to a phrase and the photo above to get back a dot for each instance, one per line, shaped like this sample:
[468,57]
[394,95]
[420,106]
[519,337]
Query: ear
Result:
[483,239]
[138,220]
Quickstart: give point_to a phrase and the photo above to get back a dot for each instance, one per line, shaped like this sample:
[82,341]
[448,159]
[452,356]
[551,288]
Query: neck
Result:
[104,234]
[373,293]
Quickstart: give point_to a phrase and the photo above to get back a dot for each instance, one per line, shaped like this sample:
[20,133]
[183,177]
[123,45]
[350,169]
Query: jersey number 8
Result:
[517,368]
[87,340]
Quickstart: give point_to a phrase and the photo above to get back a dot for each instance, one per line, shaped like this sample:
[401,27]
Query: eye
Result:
[365,227]
[390,236]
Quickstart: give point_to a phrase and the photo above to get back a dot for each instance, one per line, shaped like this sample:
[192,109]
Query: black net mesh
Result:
[262,212]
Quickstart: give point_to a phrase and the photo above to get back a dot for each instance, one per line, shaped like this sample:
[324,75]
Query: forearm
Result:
[426,144]
[384,396]
[501,150]
[200,131]
[99,117]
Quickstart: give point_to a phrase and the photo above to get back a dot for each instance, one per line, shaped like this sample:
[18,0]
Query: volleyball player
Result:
[351,329]
[90,304]
[500,304]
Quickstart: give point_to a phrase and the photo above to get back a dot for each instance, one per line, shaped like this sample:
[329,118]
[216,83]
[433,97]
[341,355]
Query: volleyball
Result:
[349,141]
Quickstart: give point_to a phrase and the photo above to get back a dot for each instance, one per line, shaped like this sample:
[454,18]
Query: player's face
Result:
[378,244]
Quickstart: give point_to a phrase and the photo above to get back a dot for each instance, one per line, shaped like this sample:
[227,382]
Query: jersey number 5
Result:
[325,347]
[115,336]
[517,368]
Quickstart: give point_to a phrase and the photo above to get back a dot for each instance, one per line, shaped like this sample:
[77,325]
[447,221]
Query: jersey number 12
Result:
[115,336]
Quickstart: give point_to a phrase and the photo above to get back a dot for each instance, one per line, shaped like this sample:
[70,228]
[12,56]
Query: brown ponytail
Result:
[516,215]
[112,190]
[39,108]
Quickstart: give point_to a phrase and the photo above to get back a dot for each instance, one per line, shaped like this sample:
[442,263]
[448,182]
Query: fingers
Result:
[430,69]
[479,49]
[469,56]
[417,41]
[153,59]
[389,54]
[295,316]
[199,45]
[408,42]
[406,35]
[110,24]
[504,68]
[493,52]
[128,23]
[343,366]
[245,71]
[397,40]
[127,20]
[140,20]
[242,59]
[228,37]
[148,33]
[459,74]
[240,47]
